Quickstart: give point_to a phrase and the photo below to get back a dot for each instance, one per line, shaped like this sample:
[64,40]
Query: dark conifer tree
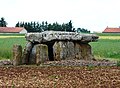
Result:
[17,25]
[3,23]
[21,24]
[44,26]
[70,26]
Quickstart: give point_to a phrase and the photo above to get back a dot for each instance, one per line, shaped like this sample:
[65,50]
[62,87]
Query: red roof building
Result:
[12,30]
[111,30]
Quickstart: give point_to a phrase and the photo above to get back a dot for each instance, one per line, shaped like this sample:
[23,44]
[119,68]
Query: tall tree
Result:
[70,26]
[46,26]
[3,23]
[17,25]
[22,24]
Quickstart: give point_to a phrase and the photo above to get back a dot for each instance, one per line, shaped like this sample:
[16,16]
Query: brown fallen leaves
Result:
[59,77]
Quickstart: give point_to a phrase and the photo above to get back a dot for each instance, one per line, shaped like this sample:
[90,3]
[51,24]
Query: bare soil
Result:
[59,76]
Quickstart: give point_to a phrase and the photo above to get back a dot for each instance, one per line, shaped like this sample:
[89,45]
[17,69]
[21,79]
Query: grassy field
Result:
[12,34]
[6,45]
[108,34]
[106,48]
[108,45]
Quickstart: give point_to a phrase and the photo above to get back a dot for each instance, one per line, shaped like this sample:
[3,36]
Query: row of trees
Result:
[44,26]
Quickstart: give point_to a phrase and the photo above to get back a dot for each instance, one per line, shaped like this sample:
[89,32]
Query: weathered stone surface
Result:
[41,53]
[32,58]
[70,50]
[63,50]
[6,62]
[77,51]
[26,53]
[38,54]
[59,51]
[47,36]
[17,54]
[86,51]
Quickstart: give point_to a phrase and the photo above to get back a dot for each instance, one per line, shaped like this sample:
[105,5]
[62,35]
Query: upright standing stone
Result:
[26,53]
[17,54]
[41,53]
[32,56]
[63,50]
[77,51]
[86,51]
[70,50]
[59,50]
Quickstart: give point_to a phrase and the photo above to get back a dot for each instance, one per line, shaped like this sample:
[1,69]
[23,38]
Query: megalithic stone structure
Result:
[57,45]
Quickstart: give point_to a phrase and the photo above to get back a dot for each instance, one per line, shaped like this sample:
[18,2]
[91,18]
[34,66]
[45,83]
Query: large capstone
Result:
[47,36]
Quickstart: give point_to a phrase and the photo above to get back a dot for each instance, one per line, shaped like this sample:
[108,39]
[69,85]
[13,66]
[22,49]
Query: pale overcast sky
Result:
[94,15]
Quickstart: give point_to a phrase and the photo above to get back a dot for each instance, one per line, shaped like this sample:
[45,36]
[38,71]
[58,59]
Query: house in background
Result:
[19,30]
[111,30]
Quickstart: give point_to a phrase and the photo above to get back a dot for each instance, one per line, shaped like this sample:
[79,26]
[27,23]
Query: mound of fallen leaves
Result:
[60,77]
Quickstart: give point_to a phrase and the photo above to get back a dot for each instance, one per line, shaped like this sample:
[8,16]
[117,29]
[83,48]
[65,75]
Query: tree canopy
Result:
[82,30]
[44,26]
[3,23]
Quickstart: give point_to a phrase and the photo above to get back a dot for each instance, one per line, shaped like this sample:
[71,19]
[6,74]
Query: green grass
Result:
[6,45]
[12,34]
[106,48]
[108,34]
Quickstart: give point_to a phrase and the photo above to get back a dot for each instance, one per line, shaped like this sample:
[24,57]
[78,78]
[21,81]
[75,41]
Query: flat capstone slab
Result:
[47,36]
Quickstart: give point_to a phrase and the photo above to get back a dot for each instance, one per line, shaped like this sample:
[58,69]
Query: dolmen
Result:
[55,46]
